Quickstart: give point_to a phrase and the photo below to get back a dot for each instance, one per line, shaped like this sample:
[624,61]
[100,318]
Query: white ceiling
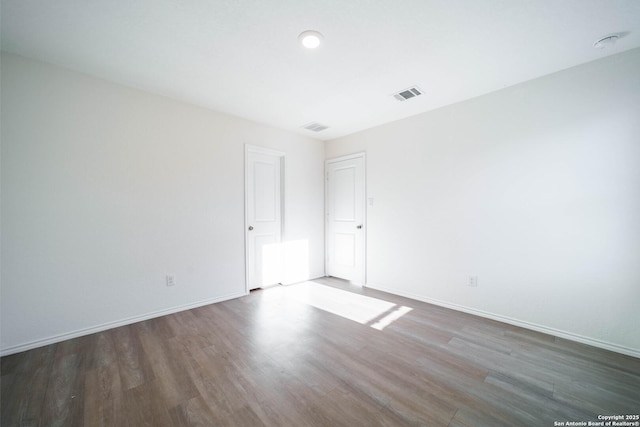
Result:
[242,57]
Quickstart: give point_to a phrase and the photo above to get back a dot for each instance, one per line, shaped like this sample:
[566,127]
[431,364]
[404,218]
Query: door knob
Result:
[250,227]
[359,227]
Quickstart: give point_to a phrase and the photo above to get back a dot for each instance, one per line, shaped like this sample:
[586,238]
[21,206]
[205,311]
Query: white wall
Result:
[535,189]
[106,189]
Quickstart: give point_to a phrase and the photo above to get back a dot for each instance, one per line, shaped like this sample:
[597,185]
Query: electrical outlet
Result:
[171,280]
[472,281]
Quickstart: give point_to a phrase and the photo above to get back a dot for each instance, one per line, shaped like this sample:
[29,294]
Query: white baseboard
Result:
[527,325]
[516,322]
[110,325]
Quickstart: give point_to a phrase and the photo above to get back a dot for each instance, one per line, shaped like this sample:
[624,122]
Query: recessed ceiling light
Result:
[310,39]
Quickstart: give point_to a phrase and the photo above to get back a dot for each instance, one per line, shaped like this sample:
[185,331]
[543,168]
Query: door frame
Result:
[248,148]
[362,155]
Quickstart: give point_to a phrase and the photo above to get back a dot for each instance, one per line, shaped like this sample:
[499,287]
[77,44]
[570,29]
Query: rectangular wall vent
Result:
[409,93]
[315,127]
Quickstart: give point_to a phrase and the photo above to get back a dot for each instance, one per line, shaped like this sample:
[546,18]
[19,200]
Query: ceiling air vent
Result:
[403,95]
[315,126]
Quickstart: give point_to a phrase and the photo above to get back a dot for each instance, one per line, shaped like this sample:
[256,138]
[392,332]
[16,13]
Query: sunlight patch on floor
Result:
[391,317]
[365,310]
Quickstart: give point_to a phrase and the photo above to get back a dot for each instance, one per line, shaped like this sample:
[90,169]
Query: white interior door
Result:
[263,227]
[345,216]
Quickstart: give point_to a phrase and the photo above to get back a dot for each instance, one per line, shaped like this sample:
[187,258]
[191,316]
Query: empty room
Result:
[320,213]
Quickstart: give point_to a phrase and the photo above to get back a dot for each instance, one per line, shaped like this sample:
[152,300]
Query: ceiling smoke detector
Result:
[608,40]
[315,127]
[406,94]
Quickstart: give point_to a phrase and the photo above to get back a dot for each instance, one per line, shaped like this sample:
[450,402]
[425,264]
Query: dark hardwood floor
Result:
[324,353]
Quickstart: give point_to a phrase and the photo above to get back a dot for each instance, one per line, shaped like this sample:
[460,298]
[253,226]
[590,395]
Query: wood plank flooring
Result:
[295,356]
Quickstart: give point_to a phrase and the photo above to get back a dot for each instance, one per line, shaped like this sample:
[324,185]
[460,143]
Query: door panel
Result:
[346,218]
[264,188]
[344,198]
[345,250]
[263,233]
